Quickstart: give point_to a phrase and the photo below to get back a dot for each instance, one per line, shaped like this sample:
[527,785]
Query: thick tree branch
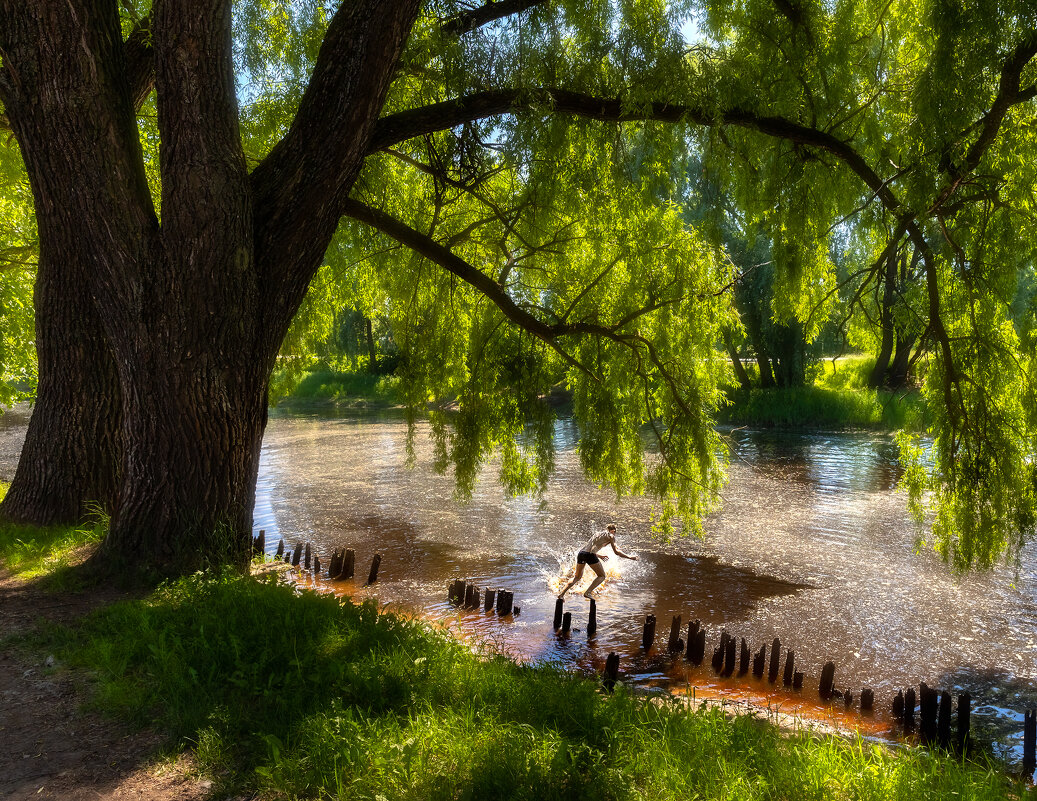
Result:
[399,127]
[140,62]
[477,17]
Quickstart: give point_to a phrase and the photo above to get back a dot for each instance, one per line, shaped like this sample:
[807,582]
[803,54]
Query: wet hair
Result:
[610,527]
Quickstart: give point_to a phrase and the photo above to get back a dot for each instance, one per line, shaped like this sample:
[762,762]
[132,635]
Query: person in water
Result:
[589,555]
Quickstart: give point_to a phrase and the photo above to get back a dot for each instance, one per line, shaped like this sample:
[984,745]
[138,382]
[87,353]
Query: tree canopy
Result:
[507,184]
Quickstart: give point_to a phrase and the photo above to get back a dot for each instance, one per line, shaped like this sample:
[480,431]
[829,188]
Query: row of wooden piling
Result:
[468,596]
[934,715]
[563,620]
[341,567]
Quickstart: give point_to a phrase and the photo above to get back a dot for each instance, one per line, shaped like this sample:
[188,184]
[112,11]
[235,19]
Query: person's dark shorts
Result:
[587,558]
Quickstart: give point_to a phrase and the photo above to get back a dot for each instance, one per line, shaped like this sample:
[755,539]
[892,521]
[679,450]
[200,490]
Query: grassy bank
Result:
[325,387]
[307,696]
[836,397]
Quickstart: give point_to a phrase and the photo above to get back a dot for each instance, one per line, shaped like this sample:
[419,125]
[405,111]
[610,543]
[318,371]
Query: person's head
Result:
[611,528]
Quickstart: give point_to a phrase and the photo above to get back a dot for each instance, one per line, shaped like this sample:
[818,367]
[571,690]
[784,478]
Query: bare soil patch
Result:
[49,746]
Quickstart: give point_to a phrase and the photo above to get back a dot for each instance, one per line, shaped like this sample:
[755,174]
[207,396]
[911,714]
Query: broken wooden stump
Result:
[260,543]
[718,653]
[455,594]
[898,706]
[567,622]
[729,657]
[693,630]
[790,668]
[280,548]
[505,603]
[847,698]
[297,554]
[964,720]
[743,658]
[759,660]
[558,613]
[909,708]
[611,674]
[698,647]
[943,724]
[491,597]
[372,576]
[772,673]
[827,685]
[335,566]
[1029,741]
[349,564]
[928,706]
[316,565]
[648,634]
[675,643]
[797,680]
[307,557]
[867,699]
[468,591]
[592,619]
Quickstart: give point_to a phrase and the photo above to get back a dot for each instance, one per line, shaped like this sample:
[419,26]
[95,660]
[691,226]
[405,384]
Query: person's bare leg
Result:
[597,568]
[571,584]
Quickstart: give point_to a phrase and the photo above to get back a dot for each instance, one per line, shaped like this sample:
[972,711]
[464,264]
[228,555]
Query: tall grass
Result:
[363,389]
[309,696]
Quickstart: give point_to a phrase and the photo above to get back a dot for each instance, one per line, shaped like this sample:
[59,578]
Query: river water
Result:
[812,545]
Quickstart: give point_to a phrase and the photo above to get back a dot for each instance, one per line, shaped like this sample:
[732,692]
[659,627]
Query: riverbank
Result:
[284,694]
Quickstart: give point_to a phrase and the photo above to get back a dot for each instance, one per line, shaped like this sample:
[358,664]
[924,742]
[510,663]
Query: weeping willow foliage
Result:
[542,243]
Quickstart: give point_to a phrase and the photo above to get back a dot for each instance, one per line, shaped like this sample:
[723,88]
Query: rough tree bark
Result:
[194,309]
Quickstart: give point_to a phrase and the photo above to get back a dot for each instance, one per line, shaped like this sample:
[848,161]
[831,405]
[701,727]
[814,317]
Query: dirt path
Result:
[49,747]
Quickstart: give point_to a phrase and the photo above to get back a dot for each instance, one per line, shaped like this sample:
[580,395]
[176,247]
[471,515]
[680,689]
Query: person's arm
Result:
[620,553]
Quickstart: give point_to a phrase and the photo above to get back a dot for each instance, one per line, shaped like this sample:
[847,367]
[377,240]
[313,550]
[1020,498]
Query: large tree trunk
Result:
[877,378]
[71,458]
[736,362]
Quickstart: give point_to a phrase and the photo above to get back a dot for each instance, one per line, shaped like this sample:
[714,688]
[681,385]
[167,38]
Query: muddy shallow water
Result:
[813,545]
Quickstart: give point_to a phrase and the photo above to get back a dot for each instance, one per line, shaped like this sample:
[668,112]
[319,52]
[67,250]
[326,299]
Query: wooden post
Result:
[943,726]
[287,557]
[827,684]
[476,597]
[964,720]
[847,698]
[759,660]
[297,554]
[790,668]
[308,557]
[611,671]
[772,674]
[316,565]
[468,589]
[693,630]
[455,594]
[372,577]
[558,613]
[928,703]
[567,622]
[280,548]
[743,658]
[674,643]
[505,601]
[261,542]
[1029,741]
[648,635]
[909,708]
[592,619]
[797,681]
[335,566]
[719,651]
[348,566]
[898,706]
[491,596]
[867,699]
[698,653]
[729,656]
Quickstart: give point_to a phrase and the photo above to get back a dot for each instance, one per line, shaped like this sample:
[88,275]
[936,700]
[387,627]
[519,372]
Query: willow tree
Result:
[498,170]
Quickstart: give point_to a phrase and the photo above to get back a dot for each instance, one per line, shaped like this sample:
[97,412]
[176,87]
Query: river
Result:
[812,545]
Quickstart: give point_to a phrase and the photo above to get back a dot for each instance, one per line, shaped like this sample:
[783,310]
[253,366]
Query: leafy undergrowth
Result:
[47,553]
[310,696]
[325,386]
[837,398]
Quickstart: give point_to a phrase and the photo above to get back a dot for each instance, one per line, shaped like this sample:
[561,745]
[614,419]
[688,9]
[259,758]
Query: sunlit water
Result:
[813,546]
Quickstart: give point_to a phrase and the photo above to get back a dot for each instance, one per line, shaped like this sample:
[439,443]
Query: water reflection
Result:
[812,545]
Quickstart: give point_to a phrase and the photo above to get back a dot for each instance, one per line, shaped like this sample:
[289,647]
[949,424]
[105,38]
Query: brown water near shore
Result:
[812,546]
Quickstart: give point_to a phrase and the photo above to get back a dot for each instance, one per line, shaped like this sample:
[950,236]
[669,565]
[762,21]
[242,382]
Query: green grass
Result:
[323,385]
[838,398]
[48,553]
[309,696]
